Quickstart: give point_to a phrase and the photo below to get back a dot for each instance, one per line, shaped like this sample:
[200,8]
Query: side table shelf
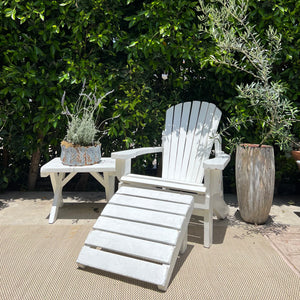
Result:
[61,174]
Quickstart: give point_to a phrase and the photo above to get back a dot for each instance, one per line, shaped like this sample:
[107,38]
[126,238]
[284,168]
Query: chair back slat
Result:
[214,116]
[182,138]
[195,107]
[166,140]
[188,139]
[174,140]
[199,143]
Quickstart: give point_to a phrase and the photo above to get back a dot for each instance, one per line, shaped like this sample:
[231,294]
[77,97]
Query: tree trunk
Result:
[5,158]
[34,169]
[255,179]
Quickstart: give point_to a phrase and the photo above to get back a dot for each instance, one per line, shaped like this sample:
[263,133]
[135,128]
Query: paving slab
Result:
[37,259]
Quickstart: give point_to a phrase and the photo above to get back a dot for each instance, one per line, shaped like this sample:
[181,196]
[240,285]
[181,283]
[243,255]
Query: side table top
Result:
[55,165]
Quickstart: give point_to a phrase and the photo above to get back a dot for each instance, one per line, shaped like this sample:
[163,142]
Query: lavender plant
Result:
[82,121]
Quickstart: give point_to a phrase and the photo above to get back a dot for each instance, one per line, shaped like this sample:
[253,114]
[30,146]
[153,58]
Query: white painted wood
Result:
[55,165]
[134,247]
[184,243]
[174,141]
[150,204]
[148,213]
[182,140]
[106,180]
[131,248]
[220,208]
[218,163]
[123,167]
[213,118]
[57,171]
[197,123]
[144,216]
[156,194]
[68,178]
[164,183]
[139,230]
[200,201]
[190,139]
[132,153]
[126,266]
[56,180]
[208,213]
[166,141]
[198,146]
[179,246]
[109,184]
[218,144]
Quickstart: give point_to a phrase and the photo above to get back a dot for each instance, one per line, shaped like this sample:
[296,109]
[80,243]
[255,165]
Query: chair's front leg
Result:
[214,200]
[184,242]
[109,184]
[208,229]
[220,208]
[208,213]
[123,167]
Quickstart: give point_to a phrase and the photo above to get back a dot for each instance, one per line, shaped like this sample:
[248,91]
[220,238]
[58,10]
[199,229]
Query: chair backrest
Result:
[187,140]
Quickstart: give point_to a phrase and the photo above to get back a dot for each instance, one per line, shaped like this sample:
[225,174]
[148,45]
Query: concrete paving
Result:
[83,208]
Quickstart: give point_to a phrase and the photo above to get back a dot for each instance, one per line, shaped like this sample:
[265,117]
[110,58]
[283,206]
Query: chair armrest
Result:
[132,153]
[123,158]
[217,163]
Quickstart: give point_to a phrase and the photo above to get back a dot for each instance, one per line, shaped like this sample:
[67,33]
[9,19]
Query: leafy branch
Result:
[240,47]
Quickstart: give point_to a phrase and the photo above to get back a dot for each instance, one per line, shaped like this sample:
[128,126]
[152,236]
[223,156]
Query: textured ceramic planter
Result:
[296,156]
[78,155]
[255,180]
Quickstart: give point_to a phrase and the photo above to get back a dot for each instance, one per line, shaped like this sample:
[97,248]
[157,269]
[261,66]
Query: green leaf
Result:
[66,3]
[10,13]
[133,44]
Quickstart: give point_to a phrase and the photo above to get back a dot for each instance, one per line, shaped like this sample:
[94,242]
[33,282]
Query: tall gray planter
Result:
[255,180]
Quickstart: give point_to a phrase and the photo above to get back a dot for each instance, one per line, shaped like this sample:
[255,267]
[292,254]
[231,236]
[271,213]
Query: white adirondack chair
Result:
[147,219]
[187,141]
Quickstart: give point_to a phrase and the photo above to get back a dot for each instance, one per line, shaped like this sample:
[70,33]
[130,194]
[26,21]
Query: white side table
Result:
[58,171]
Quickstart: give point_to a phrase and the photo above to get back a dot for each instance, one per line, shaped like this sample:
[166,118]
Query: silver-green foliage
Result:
[239,46]
[81,130]
[82,121]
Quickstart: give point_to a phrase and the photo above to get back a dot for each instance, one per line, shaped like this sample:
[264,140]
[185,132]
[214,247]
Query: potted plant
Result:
[296,145]
[296,153]
[296,156]
[269,113]
[81,145]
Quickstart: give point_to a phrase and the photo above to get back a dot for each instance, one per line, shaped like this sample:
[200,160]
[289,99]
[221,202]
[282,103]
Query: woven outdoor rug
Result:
[39,262]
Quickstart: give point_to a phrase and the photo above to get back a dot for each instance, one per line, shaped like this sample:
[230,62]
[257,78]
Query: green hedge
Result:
[49,46]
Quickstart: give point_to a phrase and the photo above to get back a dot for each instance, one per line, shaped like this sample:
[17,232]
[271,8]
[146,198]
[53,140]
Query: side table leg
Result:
[109,184]
[56,180]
